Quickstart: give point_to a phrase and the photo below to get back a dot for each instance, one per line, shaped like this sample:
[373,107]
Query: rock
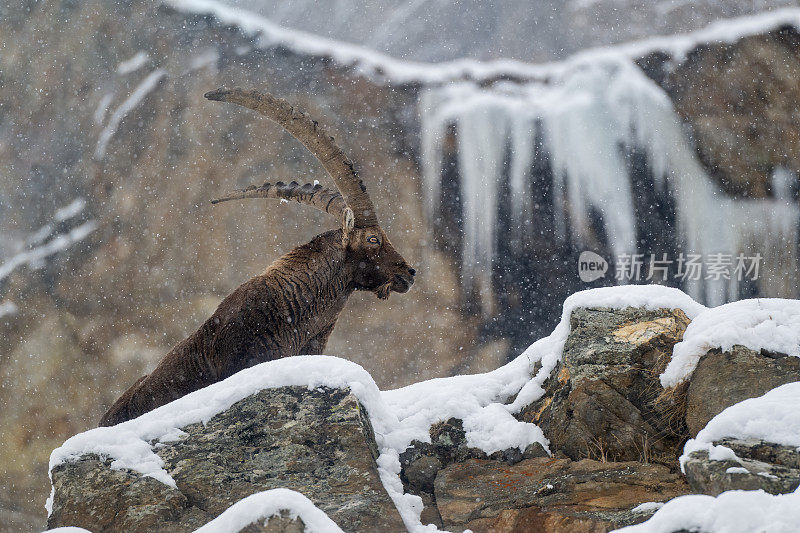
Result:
[449,435]
[422,472]
[766,466]
[422,461]
[534,450]
[91,495]
[550,495]
[741,102]
[282,523]
[319,443]
[722,379]
[601,399]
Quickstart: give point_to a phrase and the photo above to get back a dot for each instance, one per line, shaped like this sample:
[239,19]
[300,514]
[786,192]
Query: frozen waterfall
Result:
[590,113]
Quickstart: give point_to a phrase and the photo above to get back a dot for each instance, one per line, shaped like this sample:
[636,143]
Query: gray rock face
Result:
[722,379]
[282,523]
[319,443]
[767,466]
[601,401]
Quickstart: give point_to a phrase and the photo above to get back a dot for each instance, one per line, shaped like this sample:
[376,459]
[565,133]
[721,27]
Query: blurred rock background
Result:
[101,104]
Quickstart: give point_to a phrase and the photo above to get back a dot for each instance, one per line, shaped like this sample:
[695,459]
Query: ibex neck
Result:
[316,279]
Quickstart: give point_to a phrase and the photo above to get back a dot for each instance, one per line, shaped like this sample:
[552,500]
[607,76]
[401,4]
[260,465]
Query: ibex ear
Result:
[348,221]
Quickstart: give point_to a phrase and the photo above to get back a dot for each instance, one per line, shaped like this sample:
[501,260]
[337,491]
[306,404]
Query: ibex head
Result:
[376,265]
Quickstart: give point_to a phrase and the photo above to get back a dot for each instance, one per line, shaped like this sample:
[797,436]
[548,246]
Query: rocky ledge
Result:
[316,442]
[614,434]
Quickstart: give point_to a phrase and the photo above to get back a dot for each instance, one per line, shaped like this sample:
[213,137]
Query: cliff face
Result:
[740,100]
[102,101]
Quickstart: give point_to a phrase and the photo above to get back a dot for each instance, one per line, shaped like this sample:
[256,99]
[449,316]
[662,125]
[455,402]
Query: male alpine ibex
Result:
[292,307]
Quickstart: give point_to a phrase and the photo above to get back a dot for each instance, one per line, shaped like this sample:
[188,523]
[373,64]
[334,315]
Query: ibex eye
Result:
[373,239]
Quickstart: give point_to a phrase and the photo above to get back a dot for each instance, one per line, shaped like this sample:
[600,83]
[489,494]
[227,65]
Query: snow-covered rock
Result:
[736,464]
[736,511]
[410,457]
[759,324]
[318,442]
[723,378]
[761,435]
[752,445]
[603,399]
[290,508]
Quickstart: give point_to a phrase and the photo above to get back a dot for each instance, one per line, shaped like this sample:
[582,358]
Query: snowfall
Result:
[482,402]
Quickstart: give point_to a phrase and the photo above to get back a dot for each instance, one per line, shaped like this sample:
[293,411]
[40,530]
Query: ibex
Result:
[292,307]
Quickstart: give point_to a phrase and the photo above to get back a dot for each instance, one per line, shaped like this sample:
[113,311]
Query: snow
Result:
[67,212]
[770,324]
[34,258]
[134,63]
[398,416]
[130,103]
[723,31]
[8,308]
[773,417]
[647,507]
[380,66]
[102,108]
[263,505]
[735,511]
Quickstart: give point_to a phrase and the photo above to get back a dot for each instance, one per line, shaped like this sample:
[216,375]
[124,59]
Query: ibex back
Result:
[292,307]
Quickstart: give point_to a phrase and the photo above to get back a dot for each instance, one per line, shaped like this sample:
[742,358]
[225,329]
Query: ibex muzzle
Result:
[292,307]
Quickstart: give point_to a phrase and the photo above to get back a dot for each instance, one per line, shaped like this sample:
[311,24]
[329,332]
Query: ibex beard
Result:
[292,307]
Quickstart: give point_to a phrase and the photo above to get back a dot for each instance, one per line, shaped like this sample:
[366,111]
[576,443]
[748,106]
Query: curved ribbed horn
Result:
[313,137]
[316,196]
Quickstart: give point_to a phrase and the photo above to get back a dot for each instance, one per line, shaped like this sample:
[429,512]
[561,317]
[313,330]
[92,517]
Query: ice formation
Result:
[591,112]
[133,64]
[34,258]
[584,108]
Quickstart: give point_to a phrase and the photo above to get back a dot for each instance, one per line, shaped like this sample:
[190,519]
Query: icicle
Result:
[482,137]
[433,127]
[592,111]
[523,144]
